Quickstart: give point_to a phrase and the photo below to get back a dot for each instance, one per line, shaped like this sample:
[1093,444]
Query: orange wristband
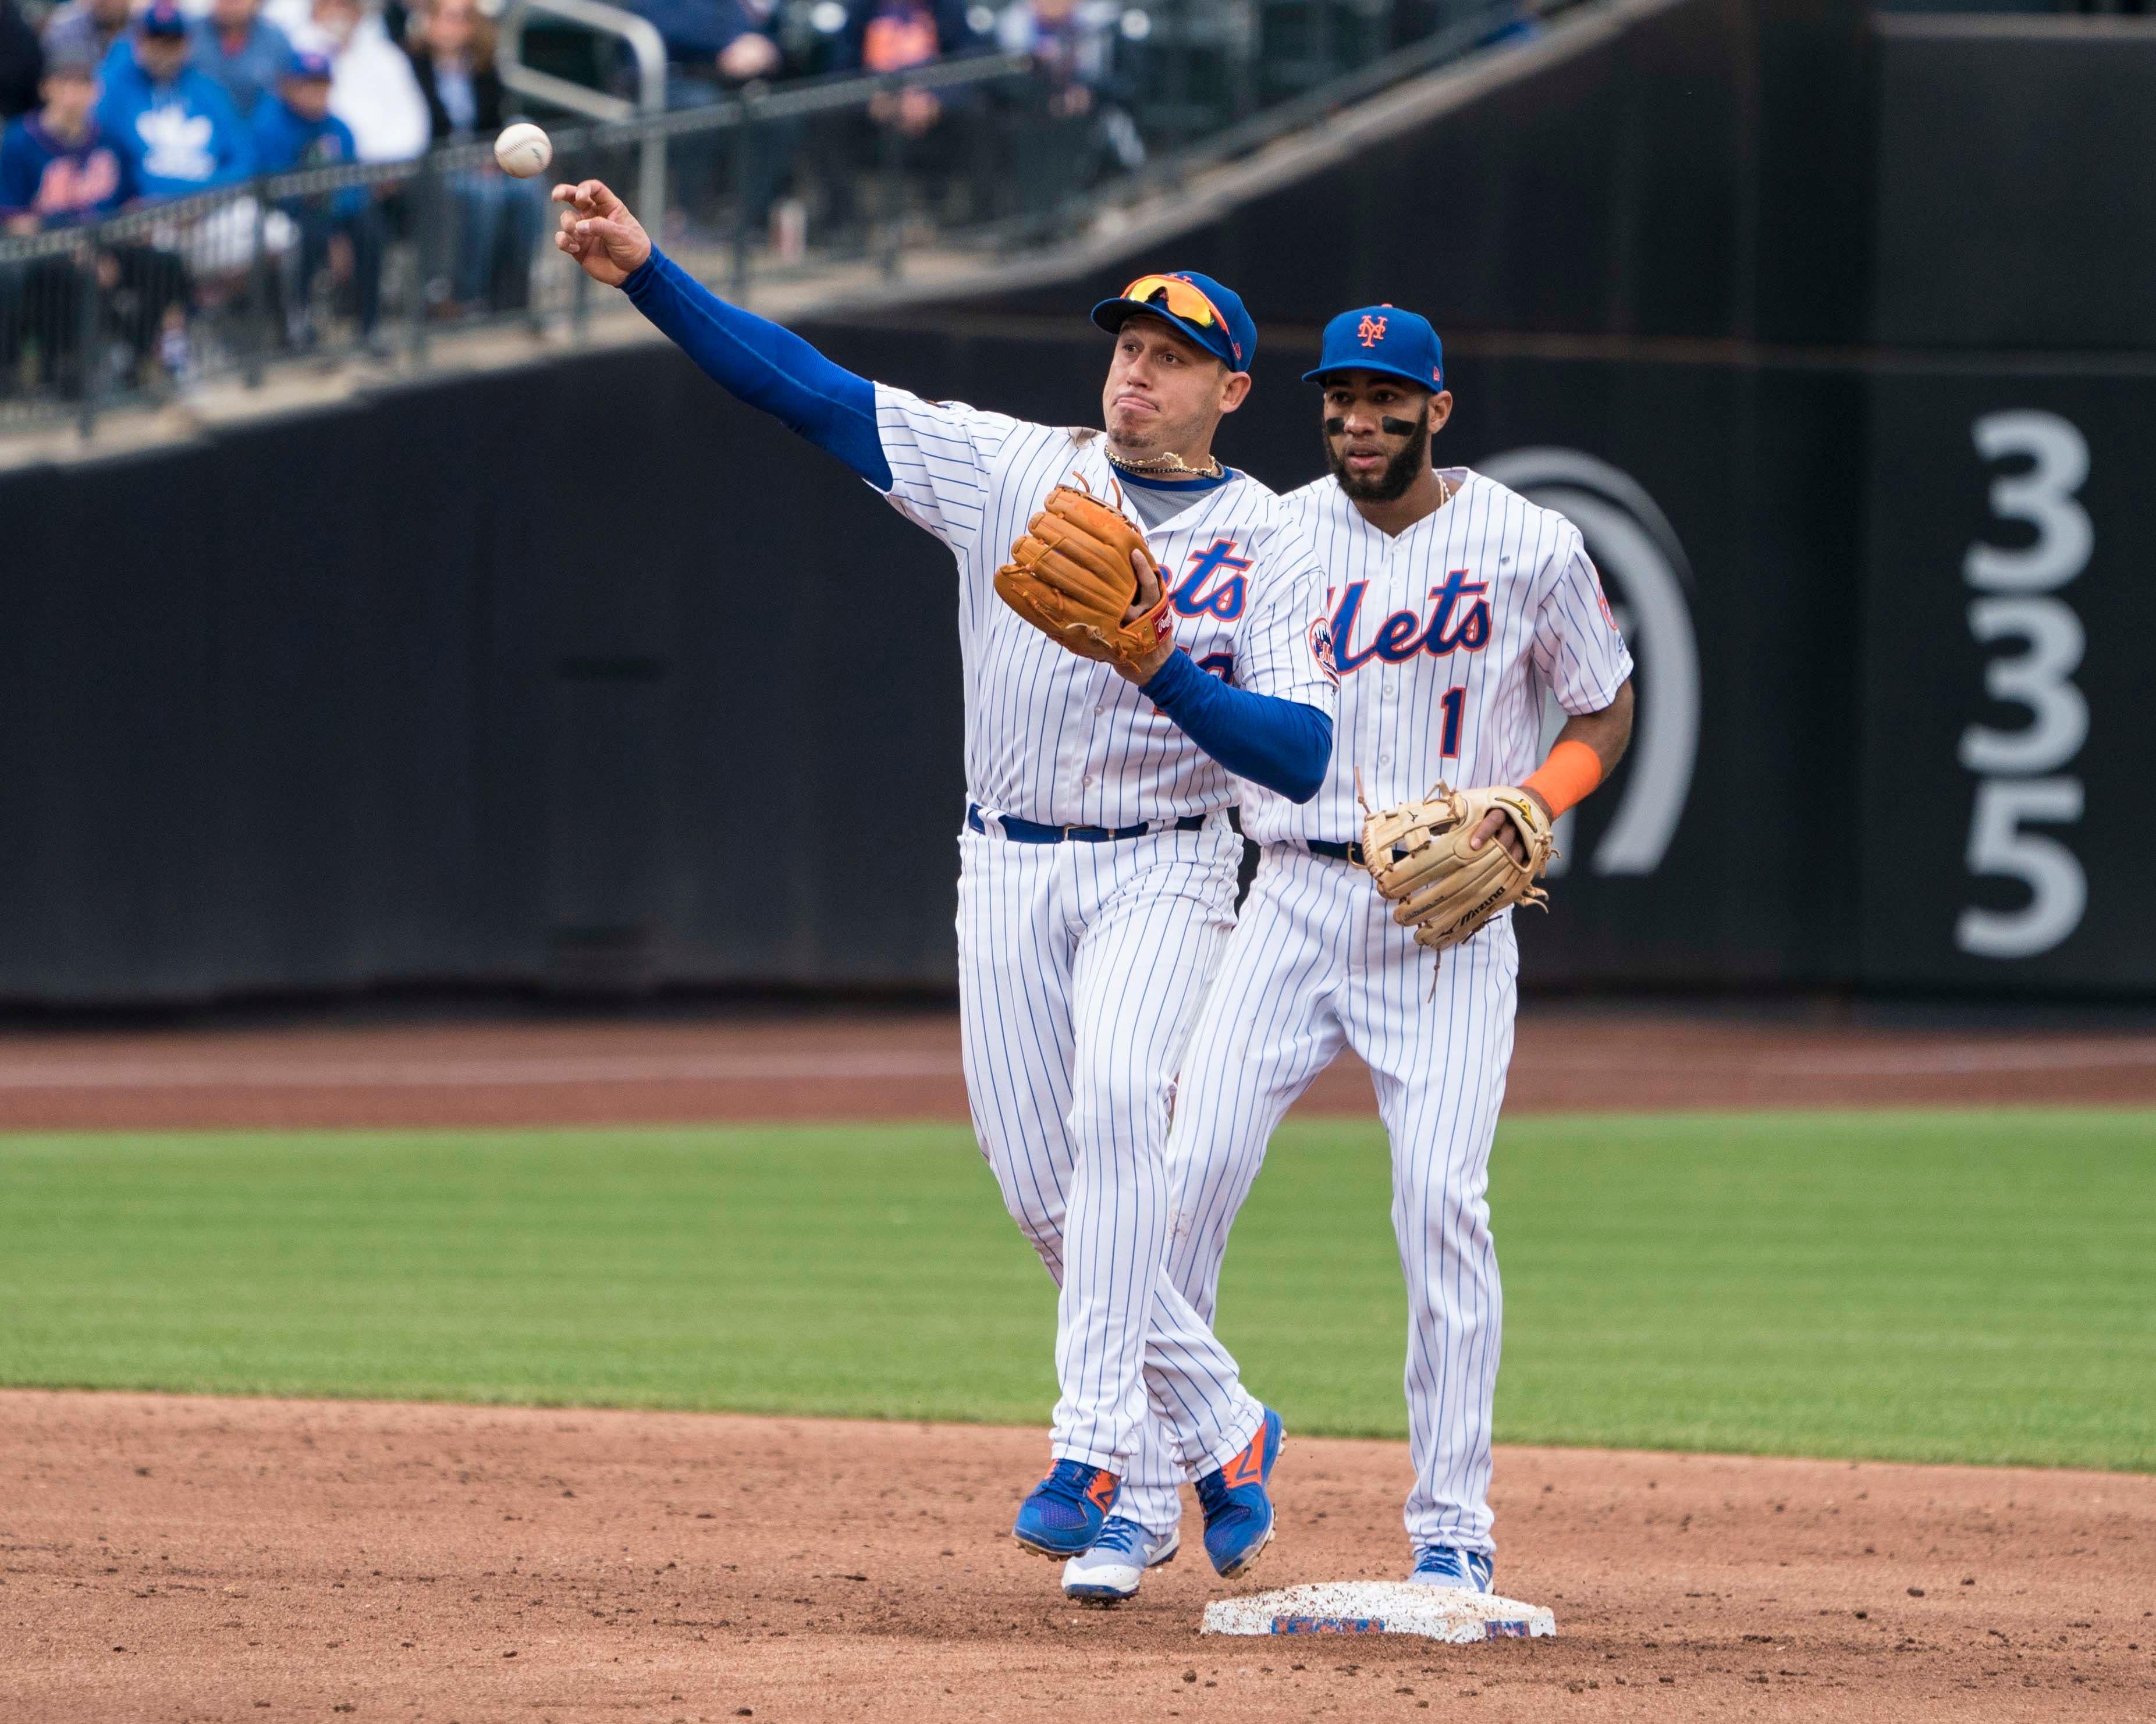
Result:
[1567,777]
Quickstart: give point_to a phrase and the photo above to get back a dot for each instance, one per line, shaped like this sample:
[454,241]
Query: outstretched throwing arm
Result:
[749,356]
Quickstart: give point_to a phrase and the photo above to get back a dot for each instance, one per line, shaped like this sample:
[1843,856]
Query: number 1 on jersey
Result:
[1455,705]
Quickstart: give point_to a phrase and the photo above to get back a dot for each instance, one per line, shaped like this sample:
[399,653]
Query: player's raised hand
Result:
[608,244]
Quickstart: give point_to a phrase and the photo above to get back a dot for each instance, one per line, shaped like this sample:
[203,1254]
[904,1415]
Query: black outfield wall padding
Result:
[350,699]
[2016,200]
[2008,634]
[557,675]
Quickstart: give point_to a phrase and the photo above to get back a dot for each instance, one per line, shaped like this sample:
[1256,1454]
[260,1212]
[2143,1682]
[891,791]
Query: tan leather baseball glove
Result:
[1071,577]
[1418,854]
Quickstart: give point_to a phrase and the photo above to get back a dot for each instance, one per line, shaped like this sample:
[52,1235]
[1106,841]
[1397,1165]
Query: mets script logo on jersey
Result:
[1213,584]
[1459,621]
[1371,330]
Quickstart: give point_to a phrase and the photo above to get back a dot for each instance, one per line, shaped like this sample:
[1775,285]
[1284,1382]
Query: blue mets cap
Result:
[1198,306]
[311,68]
[1381,338]
[163,18]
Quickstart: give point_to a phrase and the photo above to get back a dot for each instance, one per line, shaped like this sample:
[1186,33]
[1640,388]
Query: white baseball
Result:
[524,149]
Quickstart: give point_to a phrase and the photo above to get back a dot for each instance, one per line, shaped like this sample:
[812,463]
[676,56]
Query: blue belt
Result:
[1033,832]
[1338,853]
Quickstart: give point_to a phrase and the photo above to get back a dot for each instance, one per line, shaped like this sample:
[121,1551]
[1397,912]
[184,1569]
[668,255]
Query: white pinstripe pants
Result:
[1080,970]
[1316,963]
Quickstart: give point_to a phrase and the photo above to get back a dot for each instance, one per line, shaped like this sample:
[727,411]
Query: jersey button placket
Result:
[1075,743]
[1093,743]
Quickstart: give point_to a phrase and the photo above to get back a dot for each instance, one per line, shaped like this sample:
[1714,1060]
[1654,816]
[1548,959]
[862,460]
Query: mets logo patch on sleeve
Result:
[1601,598]
[1320,649]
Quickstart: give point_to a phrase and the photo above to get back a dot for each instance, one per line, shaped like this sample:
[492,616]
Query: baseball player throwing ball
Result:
[1100,579]
[1455,605]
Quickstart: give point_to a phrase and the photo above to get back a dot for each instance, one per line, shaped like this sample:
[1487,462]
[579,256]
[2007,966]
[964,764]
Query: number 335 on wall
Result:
[2022,783]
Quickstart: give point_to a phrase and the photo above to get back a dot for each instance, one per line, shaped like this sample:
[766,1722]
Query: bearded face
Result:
[1348,456]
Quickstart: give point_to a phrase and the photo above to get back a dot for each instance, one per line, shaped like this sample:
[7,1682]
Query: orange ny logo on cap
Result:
[1371,330]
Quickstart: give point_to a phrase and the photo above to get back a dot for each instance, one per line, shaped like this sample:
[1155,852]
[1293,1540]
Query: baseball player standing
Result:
[1098,869]
[1455,605]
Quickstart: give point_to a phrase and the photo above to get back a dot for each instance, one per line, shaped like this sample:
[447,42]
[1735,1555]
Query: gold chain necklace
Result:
[1170,462]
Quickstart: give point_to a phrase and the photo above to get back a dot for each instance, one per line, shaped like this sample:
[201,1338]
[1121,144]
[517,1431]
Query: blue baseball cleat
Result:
[1448,1566]
[1238,1514]
[1067,1510]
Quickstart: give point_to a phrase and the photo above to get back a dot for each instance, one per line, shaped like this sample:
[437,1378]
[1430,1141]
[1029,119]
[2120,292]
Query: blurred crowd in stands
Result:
[113,105]
[181,108]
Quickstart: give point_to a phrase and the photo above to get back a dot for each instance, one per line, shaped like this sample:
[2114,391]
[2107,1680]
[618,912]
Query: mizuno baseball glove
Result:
[1071,577]
[1418,854]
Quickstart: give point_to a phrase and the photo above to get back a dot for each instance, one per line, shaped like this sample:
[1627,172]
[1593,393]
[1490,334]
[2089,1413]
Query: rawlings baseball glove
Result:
[1071,577]
[1418,854]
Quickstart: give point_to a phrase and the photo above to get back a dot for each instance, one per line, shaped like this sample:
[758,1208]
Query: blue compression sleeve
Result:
[766,366]
[1282,745]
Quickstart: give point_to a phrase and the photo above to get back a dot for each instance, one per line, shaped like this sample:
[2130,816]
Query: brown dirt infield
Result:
[185,1559]
[883,1066]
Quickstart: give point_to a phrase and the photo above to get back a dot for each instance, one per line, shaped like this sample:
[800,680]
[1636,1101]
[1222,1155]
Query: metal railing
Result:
[368,266]
[648,50]
[374,263]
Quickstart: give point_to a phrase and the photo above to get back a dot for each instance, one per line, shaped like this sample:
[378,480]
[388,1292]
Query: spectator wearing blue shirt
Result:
[738,40]
[242,50]
[59,168]
[178,125]
[294,130]
[713,46]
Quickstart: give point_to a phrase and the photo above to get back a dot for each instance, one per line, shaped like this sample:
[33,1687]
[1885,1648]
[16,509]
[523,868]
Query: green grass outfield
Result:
[1934,1287]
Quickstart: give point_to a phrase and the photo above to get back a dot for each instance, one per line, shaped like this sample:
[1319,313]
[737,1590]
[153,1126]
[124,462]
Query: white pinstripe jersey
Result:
[1056,738]
[1447,638]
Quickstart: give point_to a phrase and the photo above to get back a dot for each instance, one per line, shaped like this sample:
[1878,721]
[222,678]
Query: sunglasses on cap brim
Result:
[1179,299]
